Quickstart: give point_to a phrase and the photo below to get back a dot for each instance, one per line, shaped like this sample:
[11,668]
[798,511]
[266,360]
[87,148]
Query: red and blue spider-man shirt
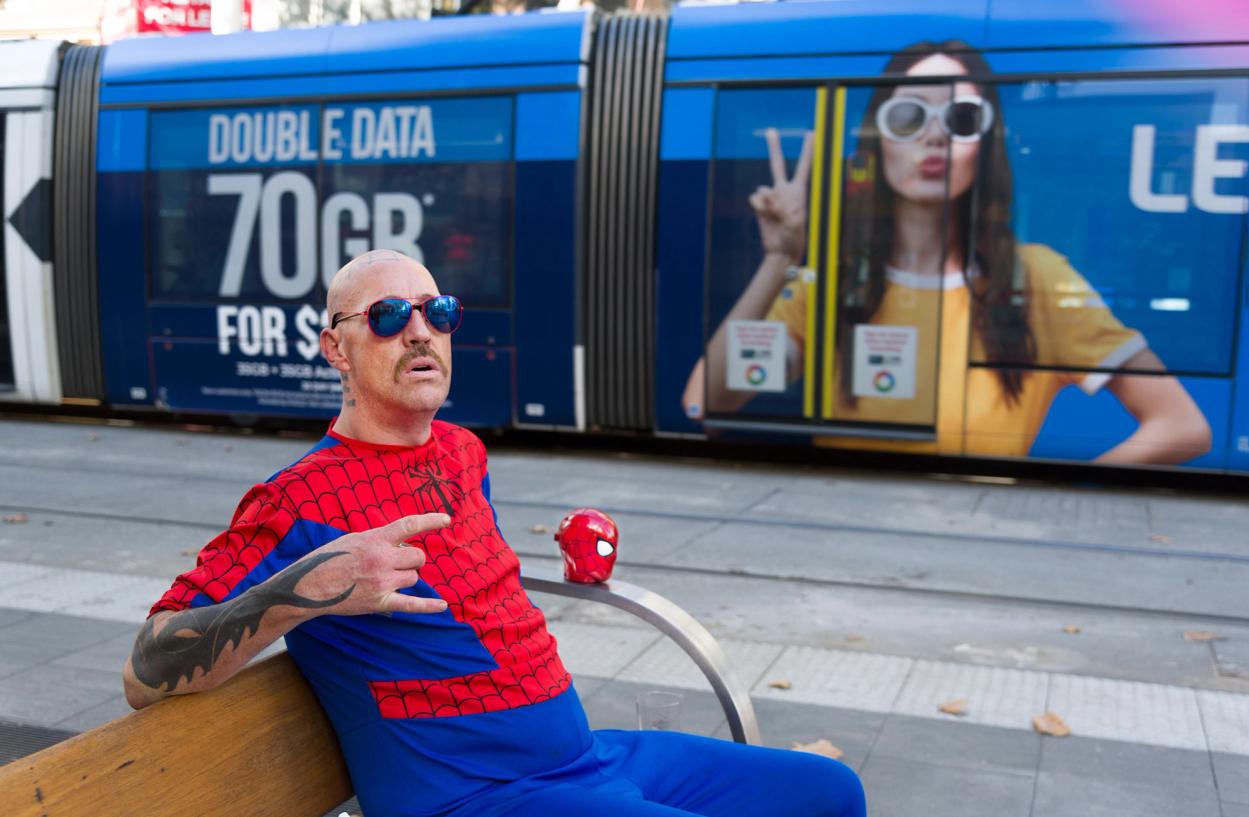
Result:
[431,710]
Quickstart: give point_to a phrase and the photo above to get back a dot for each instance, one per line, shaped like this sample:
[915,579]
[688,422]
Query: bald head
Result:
[347,291]
[396,380]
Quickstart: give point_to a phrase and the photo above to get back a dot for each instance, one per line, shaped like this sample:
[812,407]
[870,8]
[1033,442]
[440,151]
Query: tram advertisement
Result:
[1056,255]
[254,209]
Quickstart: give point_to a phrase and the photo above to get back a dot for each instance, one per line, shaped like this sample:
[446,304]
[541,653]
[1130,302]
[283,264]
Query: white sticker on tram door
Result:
[884,361]
[756,356]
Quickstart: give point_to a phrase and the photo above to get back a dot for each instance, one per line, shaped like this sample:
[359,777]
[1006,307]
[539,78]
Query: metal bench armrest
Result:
[673,622]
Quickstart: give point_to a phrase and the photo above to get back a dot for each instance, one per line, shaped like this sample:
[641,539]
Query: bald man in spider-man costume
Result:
[377,555]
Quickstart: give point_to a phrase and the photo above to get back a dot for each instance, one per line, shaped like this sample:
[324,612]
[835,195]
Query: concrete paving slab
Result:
[1060,794]
[114,545]
[10,616]
[837,678]
[108,710]
[1234,809]
[13,573]
[1232,656]
[782,725]
[680,491]
[950,628]
[1125,710]
[599,652]
[994,696]
[63,631]
[87,593]
[1198,522]
[15,656]
[146,450]
[1226,719]
[904,788]
[961,745]
[1231,774]
[25,697]
[667,664]
[107,656]
[1091,776]
[1195,586]
[122,496]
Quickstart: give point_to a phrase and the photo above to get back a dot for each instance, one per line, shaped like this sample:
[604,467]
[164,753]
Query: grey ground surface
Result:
[842,582]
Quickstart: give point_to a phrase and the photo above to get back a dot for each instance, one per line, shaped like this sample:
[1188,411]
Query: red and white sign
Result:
[126,18]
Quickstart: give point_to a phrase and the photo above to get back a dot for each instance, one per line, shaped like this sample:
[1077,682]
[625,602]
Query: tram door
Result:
[7,379]
[839,197]
[894,276]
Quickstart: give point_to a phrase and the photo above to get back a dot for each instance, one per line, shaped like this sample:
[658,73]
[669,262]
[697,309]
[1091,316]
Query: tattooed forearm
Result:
[194,639]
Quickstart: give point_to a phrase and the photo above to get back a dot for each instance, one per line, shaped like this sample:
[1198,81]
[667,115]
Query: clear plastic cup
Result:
[659,710]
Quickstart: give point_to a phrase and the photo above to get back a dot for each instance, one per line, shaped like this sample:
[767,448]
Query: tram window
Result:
[749,367]
[459,216]
[234,204]
[1127,214]
[264,204]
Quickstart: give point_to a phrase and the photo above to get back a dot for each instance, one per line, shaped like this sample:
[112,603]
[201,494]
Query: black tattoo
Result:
[161,660]
[347,401]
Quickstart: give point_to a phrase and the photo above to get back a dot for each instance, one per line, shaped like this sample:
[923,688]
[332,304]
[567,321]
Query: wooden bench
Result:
[260,744]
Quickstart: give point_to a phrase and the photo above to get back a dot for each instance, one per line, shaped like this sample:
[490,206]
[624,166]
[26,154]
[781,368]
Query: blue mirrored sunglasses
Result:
[389,316]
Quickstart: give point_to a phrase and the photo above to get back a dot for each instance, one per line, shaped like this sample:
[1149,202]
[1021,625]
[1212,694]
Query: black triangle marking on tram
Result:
[33,219]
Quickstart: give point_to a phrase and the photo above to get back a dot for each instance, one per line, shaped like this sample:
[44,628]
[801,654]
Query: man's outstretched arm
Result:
[196,649]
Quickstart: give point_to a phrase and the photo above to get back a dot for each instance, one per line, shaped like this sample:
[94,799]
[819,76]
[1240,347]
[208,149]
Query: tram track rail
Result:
[897,586]
[767,521]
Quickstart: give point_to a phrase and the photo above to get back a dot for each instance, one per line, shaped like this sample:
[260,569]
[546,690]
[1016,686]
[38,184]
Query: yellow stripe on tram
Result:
[833,247]
[815,209]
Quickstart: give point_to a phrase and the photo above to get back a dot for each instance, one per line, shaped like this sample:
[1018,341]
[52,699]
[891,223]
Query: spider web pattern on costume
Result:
[260,522]
[357,488]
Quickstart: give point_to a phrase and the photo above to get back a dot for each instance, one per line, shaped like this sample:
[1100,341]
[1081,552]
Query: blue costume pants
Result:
[667,774]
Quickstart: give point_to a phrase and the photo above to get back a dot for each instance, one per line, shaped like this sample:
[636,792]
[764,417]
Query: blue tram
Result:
[985,229]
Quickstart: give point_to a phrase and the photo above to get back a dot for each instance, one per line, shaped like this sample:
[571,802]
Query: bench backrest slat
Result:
[258,745]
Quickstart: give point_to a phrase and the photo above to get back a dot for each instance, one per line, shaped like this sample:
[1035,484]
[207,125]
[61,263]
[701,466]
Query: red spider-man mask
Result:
[588,540]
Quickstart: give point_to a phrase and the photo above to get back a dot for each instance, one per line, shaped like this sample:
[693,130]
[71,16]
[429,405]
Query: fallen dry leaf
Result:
[93,437]
[853,638]
[958,706]
[1050,724]
[229,447]
[781,684]
[1161,538]
[1201,635]
[190,552]
[539,529]
[1071,629]
[15,519]
[820,747]
[180,441]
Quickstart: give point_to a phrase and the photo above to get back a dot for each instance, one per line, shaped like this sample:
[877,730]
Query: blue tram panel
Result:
[247,210]
[1124,196]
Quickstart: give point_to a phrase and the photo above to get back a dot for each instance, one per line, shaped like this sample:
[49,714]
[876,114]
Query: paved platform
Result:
[876,597]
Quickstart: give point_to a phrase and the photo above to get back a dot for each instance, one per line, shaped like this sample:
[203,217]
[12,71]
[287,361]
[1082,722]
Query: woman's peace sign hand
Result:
[782,208]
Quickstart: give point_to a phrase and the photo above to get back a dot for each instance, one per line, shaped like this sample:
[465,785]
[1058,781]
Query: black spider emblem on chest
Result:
[434,484]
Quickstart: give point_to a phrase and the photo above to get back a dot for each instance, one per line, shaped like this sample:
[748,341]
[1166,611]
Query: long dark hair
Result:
[981,218]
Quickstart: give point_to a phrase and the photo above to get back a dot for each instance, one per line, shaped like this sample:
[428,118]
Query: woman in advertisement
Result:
[924,246]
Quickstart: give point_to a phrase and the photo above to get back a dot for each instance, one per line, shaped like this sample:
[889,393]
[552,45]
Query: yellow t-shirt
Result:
[1070,323]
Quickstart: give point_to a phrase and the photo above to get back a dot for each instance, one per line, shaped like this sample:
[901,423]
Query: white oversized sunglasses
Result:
[964,118]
